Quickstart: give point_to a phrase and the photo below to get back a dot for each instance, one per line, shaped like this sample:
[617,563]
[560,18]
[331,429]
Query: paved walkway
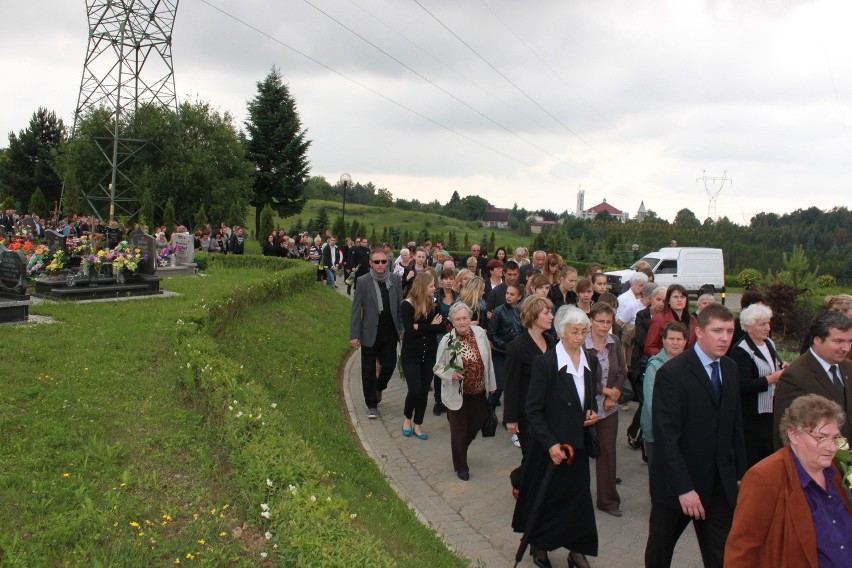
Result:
[474,517]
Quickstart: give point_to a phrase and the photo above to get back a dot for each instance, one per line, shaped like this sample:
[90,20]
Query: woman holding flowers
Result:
[467,378]
[421,322]
[793,507]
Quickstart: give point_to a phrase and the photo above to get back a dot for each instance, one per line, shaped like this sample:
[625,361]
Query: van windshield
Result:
[652,260]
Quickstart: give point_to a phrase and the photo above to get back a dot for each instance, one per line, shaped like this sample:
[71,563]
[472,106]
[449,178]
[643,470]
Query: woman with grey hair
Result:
[560,405]
[759,369]
[467,379]
[792,508]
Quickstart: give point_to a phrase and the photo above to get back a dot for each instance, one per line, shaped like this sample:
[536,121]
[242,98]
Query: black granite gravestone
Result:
[148,245]
[13,271]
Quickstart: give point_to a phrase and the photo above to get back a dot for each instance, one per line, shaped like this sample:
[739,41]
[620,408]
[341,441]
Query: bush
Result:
[749,278]
[202,259]
[826,281]
[791,317]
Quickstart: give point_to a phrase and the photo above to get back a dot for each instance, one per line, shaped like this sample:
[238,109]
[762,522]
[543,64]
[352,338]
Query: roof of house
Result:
[496,214]
[604,206]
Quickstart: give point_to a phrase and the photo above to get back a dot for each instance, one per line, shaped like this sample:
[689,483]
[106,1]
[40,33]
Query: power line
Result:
[440,88]
[363,86]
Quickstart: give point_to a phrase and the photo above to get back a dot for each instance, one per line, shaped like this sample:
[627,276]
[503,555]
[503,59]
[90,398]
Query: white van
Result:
[699,270]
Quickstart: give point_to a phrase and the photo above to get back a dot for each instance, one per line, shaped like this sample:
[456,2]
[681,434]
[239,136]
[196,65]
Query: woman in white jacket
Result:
[467,379]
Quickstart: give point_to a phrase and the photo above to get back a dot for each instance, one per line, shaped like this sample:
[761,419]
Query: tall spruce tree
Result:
[278,146]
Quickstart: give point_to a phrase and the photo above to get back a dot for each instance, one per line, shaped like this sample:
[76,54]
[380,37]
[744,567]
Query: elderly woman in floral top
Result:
[467,378]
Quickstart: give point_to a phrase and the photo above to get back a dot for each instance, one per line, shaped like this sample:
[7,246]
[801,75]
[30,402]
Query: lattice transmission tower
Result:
[712,192]
[128,63]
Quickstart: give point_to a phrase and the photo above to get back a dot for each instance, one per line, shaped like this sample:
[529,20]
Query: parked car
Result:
[699,270]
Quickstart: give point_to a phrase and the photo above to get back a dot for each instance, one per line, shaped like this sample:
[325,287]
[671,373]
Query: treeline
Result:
[824,236]
[468,208]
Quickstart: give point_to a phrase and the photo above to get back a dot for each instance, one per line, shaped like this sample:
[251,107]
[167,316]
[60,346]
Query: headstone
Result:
[54,239]
[13,271]
[148,245]
[184,248]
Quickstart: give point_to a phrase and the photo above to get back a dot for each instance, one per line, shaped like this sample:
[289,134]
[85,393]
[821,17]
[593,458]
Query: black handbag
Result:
[489,428]
[591,442]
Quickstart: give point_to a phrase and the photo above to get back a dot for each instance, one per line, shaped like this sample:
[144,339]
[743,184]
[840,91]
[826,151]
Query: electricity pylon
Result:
[128,63]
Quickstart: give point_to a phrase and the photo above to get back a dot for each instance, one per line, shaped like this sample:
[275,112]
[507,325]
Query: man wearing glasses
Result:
[823,369]
[375,327]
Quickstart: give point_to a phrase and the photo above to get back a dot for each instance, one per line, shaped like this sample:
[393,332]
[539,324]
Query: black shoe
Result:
[438,409]
[464,475]
[540,558]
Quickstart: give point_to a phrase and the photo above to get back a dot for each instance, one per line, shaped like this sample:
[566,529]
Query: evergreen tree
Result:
[492,244]
[354,228]
[267,216]
[236,213]
[30,159]
[37,204]
[169,216]
[385,238]
[373,239]
[71,200]
[452,242]
[322,223]
[278,146]
[200,218]
[337,229]
[146,211]
[466,244]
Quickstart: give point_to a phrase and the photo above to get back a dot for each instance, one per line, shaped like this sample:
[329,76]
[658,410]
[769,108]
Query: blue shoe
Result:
[422,435]
[407,432]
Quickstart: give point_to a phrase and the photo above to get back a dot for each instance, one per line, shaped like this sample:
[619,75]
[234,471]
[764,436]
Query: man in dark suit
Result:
[332,260]
[700,450]
[481,261]
[823,369]
[375,327]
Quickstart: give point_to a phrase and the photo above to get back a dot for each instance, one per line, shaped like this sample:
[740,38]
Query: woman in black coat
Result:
[759,370]
[560,404]
[536,319]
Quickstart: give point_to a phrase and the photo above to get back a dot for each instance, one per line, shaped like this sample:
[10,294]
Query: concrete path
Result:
[474,517]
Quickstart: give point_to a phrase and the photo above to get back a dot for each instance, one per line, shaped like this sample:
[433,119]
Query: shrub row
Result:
[278,478]
[287,277]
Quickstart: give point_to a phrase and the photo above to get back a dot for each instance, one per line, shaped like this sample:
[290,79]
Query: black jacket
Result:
[519,359]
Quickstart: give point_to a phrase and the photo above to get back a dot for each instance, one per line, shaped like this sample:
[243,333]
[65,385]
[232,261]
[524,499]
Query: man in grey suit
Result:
[375,327]
[823,369]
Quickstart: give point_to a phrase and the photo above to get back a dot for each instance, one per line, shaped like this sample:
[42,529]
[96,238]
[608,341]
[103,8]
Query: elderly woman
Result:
[402,262]
[467,378]
[674,342]
[607,348]
[560,404]
[792,509]
[759,368]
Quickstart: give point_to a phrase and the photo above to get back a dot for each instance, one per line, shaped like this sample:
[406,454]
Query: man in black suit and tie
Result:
[823,369]
[699,454]
[375,327]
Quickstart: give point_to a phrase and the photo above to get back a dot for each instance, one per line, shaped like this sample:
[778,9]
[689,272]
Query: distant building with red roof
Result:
[602,207]
[496,218]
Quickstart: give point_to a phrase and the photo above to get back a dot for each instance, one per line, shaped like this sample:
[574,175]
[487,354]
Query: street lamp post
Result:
[345,181]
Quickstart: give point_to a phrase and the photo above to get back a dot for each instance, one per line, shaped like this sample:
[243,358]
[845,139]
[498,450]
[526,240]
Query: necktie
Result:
[716,380]
[837,382]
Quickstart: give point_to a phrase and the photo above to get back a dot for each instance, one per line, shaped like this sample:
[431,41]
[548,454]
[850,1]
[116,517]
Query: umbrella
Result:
[532,518]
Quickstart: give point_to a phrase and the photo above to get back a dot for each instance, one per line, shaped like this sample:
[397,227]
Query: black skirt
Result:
[566,518]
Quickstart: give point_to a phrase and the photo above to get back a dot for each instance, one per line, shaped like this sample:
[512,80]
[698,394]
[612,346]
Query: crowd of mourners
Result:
[737,441]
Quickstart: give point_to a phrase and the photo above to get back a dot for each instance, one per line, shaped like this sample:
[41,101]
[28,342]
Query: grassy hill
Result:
[412,221]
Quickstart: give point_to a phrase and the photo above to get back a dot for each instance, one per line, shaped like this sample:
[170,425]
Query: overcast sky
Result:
[630,100]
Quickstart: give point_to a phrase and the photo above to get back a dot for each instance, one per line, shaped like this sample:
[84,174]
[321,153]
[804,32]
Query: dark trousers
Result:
[499,361]
[758,436]
[418,375]
[667,524]
[436,384]
[464,424]
[608,498]
[383,351]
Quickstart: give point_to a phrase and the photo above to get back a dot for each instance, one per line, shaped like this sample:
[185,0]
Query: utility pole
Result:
[713,193]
